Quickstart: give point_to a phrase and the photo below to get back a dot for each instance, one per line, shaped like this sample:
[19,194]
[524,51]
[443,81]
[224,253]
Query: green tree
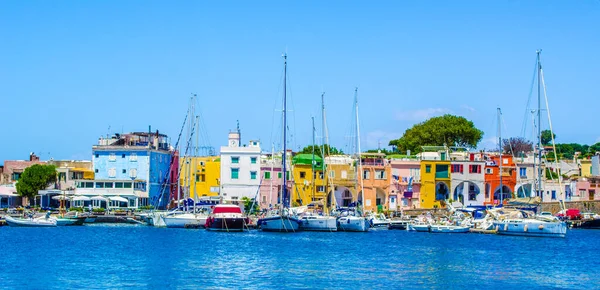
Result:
[547,137]
[34,178]
[248,202]
[447,129]
[329,150]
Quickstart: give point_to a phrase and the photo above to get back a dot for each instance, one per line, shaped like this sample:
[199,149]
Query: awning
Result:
[408,194]
[8,191]
[101,198]
[60,197]
[81,198]
[118,198]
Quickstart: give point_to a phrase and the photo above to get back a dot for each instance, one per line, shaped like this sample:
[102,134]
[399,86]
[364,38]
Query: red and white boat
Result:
[227,217]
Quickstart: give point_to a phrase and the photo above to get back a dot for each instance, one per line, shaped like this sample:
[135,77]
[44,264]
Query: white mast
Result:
[362,189]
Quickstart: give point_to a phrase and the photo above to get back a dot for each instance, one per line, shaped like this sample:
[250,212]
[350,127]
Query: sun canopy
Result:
[118,198]
[60,197]
[7,191]
[81,198]
[101,198]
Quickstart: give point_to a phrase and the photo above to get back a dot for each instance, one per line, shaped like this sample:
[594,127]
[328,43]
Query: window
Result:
[279,175]
[122,155]
[89,185]
[366,174]
[332,174]
[112,172]
[344,174]
[124,171]
[523,172]
[253,160]
[581,192]
[302,174]
[202,177]
[118,184]
[427,168]
[321,188]
[380,174]
[457,168]
[441,171]
[99,184]
[267,174]
[235,160]
[112,157]
[287,175]
[253,175]
[133,173]
[235,172]
[264,199]
[197,177]
[96,170]
[133,157]
[474,168]
[127,184]
[16,175]
[488,171]
[108,185]
[553,194]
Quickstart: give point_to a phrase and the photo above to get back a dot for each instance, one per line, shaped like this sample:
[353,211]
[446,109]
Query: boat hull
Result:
[353,224]
[180,221]
[13,222]
[419,228]
[402,225]
[279,224]
[74,221]
[319,224]
[531,228]
[227,224]
[590,224]
[448,229]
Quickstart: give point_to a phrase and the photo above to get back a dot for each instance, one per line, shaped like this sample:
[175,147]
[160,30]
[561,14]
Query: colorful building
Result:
[468,180]
[376,181]
[405,183]
[310,183]
[435,177]
[200,176]
[493,191]
[271,180]
[240,169]
[343,182]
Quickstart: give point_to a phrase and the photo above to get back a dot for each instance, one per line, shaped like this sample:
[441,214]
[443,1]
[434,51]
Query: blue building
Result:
[130,170]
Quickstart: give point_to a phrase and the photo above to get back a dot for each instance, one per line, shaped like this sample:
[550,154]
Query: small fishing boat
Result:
[419,227]
[448,229]
[183,219]
[351,221]
[45,221]
[227,217]
[70,221]
[319,223]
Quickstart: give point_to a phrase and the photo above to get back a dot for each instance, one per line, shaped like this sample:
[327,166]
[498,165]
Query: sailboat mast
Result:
[312,166]
[500,150]
[539,124]
[284,187]
[362,194]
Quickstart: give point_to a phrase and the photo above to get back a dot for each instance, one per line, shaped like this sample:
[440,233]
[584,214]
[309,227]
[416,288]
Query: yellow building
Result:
[586,167]
[200,176]
[343,181]
[435,179]
[309,185]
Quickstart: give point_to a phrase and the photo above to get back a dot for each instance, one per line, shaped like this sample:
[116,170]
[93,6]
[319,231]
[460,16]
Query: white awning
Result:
[101,198]
[60,197]
[118,198]
[8,191]
[81,198]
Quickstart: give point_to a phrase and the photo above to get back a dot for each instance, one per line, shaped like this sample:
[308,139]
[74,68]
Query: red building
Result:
[493,191]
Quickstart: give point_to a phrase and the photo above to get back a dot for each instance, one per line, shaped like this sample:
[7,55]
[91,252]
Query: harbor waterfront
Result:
[134,256]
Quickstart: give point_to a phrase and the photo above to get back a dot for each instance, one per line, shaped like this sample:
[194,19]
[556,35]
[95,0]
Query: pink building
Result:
[270,184]
[14,168]
[406,184]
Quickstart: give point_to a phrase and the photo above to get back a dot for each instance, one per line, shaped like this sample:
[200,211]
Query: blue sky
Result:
[69,70]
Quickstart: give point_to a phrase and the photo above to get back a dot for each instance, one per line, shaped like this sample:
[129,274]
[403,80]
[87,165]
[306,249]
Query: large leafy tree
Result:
[329,150]
[34,178]
[547,137]
[517,145]
[447,129]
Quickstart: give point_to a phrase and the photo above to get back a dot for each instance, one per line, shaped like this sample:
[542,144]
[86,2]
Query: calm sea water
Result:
[100,257]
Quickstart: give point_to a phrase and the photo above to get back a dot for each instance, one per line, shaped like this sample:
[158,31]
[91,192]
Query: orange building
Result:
[376,179]
[493,192]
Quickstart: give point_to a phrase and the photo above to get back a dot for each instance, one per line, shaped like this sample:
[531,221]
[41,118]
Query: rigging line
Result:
[527,109]
[551,130]
[291,98]
[275,106]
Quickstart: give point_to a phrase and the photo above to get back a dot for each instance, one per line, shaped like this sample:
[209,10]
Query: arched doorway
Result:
[458,193]
[503,194]
[380,199]
[523,190]
[441,191]
[343,196]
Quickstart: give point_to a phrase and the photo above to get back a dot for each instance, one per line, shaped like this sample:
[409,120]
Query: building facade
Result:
[309,181]
[468,180]
[405,183]
[240,169]
[200,176]
[376,181]
[435,177]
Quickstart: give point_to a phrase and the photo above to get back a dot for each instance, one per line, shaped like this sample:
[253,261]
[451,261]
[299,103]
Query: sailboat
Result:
[282,219]
[352,219]
[316,222]
[518,222]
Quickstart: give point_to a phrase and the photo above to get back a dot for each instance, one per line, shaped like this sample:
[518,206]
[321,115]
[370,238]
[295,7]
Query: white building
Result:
[240,169]
[467,184]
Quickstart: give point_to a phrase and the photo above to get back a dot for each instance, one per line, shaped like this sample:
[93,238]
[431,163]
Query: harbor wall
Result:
[583,206]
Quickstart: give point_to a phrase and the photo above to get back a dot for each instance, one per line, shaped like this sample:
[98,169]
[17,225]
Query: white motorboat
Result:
[183,219]
[319,223]
[31,222]
[227,217]
[379,220]
[401,224]
[70,221]
[516,222]
[284,222]
[351,221]
[419,227]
